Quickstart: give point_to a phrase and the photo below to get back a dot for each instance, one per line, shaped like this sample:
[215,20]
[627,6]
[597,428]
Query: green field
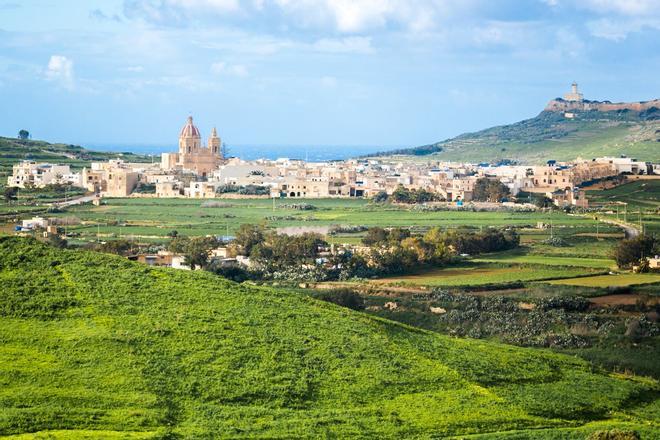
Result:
[532,257]
[157,217]
[95,346]
[476,274]
[623,279]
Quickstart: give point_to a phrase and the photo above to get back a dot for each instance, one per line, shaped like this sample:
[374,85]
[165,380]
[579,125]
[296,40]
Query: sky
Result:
[312,72]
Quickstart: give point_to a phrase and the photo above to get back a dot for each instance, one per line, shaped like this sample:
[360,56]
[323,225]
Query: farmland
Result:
[618,280]
[108,347]
[155,218]
[485,273]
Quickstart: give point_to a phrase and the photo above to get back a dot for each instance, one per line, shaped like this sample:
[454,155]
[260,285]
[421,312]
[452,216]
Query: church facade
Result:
[192,155]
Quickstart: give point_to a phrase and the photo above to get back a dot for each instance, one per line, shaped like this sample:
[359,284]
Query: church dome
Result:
[189,130]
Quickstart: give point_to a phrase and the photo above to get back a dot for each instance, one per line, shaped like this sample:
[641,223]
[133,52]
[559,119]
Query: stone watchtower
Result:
[575,95]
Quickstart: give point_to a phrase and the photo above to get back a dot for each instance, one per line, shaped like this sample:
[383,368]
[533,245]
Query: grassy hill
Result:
[95,346]
[14,150]
[550,135]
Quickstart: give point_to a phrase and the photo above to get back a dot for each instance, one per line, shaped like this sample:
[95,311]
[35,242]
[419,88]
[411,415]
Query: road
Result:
[629,230]
[74,201]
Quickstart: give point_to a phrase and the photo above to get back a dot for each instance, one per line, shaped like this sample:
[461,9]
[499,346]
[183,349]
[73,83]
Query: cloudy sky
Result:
[314,72]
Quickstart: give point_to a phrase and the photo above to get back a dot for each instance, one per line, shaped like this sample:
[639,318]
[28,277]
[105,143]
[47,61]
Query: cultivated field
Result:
[485,273]
[155,218]
[617,280]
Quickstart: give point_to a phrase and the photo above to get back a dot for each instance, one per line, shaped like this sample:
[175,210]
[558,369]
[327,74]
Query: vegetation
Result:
[406,195]
[552,136]
[341,297]
[151,217]
[634,251]
[249,190]
[97,346]
[490,190]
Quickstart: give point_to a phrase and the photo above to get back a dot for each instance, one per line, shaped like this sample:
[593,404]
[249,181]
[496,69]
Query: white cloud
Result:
[351,16]
[222,68]
[625,7]
[60,70]
[361,45]
[618,29]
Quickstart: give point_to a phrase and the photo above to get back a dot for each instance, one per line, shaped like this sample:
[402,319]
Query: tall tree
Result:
[23,134]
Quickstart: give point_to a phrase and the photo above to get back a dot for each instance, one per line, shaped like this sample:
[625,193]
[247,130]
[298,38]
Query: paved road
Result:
[76,201]
[629,230]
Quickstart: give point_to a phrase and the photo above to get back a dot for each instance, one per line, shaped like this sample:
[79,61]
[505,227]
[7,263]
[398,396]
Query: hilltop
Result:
[14,150]
[96,346]
[564,130]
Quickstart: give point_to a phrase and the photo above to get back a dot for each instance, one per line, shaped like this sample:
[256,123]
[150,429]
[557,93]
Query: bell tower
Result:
[214,143]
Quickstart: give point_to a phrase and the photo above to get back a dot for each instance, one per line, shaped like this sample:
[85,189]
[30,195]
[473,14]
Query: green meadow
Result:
[475,274]
[155,218]
[96,346]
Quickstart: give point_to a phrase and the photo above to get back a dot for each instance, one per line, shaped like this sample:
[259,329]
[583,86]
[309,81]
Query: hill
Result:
[96,346]
[552,135]
[14,150]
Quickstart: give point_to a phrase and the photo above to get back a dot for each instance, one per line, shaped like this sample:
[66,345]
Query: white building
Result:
[28,173]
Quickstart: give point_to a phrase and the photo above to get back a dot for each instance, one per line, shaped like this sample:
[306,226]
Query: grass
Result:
[472,274]
[547,260]
[157,217]
[551,136]
[95,343]
[618,280]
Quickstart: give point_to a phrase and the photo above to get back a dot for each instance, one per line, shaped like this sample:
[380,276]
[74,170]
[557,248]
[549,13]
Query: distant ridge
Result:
[565,130]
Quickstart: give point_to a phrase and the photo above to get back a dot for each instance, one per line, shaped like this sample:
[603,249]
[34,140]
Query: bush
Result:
[613,434]
[341,297]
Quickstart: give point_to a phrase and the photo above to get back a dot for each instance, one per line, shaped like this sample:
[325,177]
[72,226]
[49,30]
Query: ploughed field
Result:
[155,218]
[96,346]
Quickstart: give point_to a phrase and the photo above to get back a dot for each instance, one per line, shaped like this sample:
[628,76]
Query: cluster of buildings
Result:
[202,171]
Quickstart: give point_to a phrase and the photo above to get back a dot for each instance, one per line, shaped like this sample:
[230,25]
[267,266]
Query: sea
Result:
[317,153]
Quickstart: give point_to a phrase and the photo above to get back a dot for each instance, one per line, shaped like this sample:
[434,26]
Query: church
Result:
[192,155]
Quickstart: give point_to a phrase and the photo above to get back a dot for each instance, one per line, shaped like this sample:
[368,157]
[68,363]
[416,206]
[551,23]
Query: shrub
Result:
[613,434]
[341,297]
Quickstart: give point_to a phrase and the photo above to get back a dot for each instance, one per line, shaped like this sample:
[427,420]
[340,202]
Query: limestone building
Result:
[574,96]
[192,155]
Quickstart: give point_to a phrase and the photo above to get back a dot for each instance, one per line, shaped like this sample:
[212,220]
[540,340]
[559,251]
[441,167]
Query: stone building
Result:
[27,173]
[192,155]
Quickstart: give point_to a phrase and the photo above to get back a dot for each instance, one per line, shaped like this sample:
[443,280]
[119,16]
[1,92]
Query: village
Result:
[202,172]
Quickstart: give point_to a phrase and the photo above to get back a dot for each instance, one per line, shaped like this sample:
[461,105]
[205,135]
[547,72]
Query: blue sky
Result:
[312,72]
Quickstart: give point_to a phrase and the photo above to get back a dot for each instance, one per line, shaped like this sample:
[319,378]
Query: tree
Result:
[23,134]
[628,253]
[195,250]
[247,237]
[380,197]
[196,253]
[11,194]
[488,190]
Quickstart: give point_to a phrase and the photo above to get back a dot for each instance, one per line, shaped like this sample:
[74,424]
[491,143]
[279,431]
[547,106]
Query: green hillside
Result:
[96,346]
[552,136]
[14,150]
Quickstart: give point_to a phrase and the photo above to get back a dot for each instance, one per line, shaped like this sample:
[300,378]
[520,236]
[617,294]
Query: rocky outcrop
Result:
[562,105]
